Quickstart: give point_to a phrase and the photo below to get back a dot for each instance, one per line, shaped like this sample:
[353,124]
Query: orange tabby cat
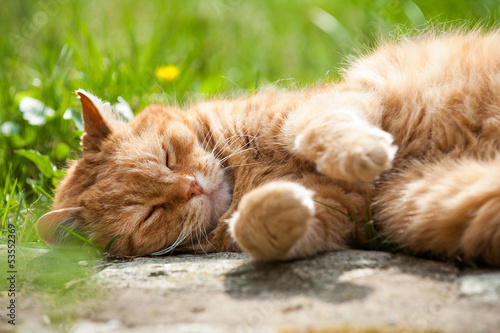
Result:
[244,174]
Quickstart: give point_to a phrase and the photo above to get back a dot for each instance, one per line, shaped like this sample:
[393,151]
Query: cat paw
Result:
[361,155]
[370,155]
[271,219]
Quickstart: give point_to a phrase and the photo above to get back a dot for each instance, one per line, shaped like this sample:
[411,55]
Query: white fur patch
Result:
[232,222]
[298,141]
[299,192]
[218,191]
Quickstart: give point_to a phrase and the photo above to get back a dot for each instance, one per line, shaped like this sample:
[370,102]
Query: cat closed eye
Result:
[167,164]
[150,213]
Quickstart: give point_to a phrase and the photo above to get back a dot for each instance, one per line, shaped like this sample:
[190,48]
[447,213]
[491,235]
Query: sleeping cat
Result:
[413,128]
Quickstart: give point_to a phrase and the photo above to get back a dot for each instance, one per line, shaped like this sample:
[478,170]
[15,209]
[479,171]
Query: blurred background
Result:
[133,53]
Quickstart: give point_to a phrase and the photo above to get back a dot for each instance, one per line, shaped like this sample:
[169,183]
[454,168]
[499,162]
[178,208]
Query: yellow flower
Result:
[168,73]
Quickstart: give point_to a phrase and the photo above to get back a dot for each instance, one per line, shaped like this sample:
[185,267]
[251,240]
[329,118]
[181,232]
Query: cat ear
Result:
[98,120]
[49,225]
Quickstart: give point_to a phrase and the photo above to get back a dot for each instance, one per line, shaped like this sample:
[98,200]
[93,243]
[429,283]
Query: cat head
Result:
[150,180]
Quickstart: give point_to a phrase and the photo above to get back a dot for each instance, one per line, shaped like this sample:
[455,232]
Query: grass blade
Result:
[30,231]
[16,217]
[20,205]
[111,242]
[39,188]
[27,220]
[81,238]
[472,264]
[6,186]
[7,207]
[339,211]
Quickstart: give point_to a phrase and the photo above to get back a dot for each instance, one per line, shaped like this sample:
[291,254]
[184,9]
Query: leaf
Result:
[414,13]
[42,162]
[329,24]
[34,111]
[75,115]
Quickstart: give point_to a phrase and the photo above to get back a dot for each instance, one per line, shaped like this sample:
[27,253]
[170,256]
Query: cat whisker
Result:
[196,231]
[242,150]
[237,134]
[170,248]
[216,146]
[205,141]
[208,241]
[202,234]
[238,165]
[223,135]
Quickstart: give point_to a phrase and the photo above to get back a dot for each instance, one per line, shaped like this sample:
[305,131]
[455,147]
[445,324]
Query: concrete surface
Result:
[227,292]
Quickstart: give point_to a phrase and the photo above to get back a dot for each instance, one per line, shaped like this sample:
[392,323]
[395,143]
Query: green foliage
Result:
[60,279]
[42,162]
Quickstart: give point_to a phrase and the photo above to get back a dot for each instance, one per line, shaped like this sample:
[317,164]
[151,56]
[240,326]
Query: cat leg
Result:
[332,130]
[448,208]
[280,220]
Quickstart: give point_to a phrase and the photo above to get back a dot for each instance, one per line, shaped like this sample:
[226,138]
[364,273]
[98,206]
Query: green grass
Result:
[113,48]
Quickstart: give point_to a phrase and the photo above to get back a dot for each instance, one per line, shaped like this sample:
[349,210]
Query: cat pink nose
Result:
[194,190]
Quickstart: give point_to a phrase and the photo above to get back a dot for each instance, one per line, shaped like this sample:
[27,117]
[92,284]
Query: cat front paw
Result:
[361,154]
[369,154]
[271,219]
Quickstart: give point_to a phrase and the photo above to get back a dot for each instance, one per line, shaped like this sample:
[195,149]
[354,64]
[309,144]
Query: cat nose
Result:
[194,190]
